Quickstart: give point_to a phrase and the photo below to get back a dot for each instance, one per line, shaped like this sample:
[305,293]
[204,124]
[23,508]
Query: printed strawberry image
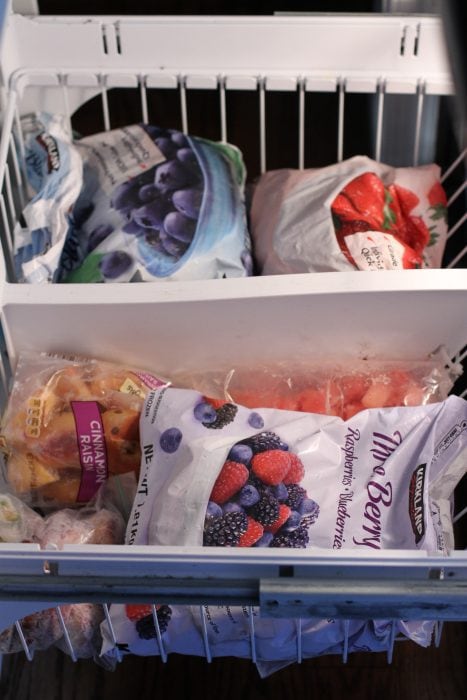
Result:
[258,502]
[365,204]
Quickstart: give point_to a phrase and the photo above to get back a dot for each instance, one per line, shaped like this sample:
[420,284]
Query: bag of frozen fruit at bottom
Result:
[69,424]
[224,475]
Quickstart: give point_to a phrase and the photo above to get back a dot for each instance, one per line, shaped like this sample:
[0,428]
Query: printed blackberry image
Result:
[296,494]
[266,511]
[265,441]
[225,531]
[297,539]
[146,628]
[225,415]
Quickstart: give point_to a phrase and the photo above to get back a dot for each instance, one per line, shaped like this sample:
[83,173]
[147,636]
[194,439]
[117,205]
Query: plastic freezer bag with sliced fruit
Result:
[341,388]
[153,204]
[69,424]
[223,475]
[355,215]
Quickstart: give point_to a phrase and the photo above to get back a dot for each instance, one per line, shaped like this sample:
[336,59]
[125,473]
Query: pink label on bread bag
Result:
[92,448]
[150,380]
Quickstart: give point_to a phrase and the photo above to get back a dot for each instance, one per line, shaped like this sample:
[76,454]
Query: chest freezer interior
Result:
[291,93]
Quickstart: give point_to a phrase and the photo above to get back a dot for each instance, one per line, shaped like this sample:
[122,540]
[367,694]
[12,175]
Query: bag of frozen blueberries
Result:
[140,203]
[220,474]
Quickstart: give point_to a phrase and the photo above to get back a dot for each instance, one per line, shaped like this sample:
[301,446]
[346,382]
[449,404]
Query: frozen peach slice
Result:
[378,395]
[311,401]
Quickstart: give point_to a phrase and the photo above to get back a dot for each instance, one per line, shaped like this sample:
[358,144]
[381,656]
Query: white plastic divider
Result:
[224,323]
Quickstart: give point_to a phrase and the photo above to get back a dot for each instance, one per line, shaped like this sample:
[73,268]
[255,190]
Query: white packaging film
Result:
[381,480]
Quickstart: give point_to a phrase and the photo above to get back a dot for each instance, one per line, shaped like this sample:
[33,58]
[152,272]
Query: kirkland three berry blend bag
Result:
[219,474]
[139,203]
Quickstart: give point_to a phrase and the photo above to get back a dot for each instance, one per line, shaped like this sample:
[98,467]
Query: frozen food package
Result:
[69,424]
[354,215]
[97,523]
[231,476]
[152,204]
[320,385]
[18,522]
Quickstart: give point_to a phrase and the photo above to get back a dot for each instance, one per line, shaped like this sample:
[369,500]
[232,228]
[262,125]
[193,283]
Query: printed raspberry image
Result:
[257,499]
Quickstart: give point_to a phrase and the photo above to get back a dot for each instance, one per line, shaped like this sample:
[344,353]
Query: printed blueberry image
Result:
[280,492]
[213,510]
[134,228]
[293,522]
[147,193]
[249,495]
[125,197]
[187,156]
[172,246]
[240,453]
[188,201]
[170,440]
[232,508]
[171,175]
[255,420]
[151,215]
[166,146]
[153,131]
[179,227]
[204,412]
[114,264]
[98,235]
[179,139]
[265,540]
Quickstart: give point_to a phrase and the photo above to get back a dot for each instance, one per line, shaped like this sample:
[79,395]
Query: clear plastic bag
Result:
[101,522]
[69,424]
[341,388]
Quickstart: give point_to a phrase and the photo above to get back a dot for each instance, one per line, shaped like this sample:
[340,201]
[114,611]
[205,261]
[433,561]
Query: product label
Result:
[34,417]
[416,502]
[92,448]
[119,155]
[150,380]
[374,250]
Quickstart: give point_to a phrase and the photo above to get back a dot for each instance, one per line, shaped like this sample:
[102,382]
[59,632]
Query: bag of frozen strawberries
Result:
[69,424]
[357,214]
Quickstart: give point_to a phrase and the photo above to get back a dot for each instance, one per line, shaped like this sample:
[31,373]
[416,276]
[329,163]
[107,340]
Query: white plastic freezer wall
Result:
[57,64]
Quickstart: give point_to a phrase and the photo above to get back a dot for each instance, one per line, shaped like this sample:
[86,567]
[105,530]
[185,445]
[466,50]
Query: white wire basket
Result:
[60,64]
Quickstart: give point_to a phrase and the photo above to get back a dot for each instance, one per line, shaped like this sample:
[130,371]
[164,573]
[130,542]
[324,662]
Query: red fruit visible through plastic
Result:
[284,515]
[254,533]
[233,476]
[296,471]
[271,466]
